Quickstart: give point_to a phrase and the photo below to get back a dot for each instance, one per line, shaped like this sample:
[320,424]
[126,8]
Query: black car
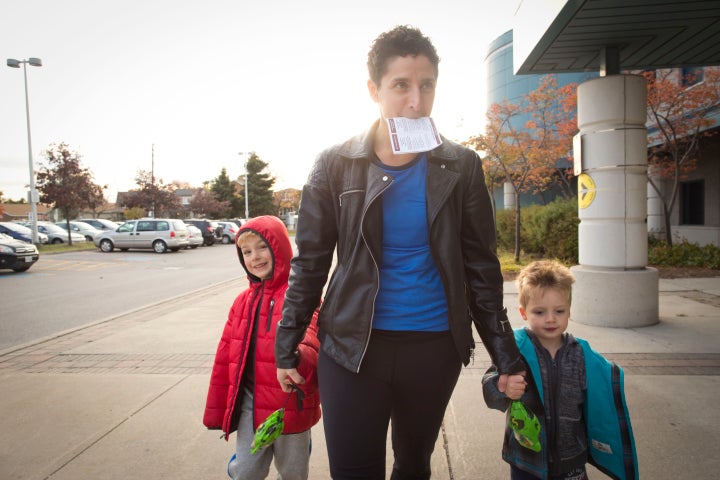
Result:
[17,255]
[211,230]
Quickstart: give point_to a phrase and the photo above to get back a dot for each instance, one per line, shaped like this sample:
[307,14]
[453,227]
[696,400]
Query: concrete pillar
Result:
[508,195]
[614,287]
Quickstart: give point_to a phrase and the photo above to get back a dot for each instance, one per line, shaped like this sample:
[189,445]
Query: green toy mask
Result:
[525,426]
[272,427]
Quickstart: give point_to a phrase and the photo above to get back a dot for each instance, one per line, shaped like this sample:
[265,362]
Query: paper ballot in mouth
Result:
[412,135]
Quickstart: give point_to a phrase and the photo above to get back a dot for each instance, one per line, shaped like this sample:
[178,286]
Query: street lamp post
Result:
[35,62]
[245,193]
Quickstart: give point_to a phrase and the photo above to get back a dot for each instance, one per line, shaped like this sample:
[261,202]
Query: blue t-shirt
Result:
[411,295]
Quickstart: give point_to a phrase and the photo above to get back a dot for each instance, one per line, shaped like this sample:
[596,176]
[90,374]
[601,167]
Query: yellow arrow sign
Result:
[586,190]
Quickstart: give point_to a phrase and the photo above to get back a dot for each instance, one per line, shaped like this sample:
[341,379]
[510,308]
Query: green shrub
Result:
[550,231]
[553,230]
[683,254]
[505,224]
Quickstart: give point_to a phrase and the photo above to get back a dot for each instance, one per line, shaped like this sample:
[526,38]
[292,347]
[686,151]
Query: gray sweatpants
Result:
[291,452]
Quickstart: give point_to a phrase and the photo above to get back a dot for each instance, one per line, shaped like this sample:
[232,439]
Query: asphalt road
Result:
[65,291]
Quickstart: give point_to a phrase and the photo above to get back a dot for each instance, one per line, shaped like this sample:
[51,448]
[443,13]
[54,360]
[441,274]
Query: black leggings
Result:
[406,378]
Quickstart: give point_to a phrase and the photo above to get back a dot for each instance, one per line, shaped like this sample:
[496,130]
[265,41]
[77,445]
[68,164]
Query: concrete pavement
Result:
[123,398]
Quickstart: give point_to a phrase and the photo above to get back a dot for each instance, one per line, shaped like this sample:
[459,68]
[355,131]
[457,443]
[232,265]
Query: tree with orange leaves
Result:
[529,142]
[679,114]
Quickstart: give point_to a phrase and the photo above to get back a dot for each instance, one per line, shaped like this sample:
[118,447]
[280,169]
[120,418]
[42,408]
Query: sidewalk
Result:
[123,399]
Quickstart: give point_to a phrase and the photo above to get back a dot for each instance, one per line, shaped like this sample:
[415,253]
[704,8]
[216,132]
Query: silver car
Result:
[230,230]
[158,234]
[195,237]
[84,229]
[101,224]
[58,235]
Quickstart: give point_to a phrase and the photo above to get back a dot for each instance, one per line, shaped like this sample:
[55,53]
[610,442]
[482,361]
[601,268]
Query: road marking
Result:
[49,265]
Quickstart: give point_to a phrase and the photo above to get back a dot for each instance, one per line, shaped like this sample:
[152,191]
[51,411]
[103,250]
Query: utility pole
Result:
[246,193]
[152,179]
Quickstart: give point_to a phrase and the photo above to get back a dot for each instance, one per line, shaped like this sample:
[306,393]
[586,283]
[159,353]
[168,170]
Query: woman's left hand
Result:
[287,376]
[515,386]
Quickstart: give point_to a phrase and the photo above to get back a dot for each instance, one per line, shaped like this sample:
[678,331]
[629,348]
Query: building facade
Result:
[504,86]
[695,215]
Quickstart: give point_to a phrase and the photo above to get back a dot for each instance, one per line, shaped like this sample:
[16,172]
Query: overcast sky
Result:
[205,80]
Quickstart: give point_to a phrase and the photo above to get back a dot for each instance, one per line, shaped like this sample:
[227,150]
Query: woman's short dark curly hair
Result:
[401,41]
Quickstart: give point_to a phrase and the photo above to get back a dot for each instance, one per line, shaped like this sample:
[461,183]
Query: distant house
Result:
[288,202]
[12,212]
[186,195]
[122,198]
[109,211]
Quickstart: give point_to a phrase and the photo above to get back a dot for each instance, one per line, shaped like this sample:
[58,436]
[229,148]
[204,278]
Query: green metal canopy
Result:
[553,36]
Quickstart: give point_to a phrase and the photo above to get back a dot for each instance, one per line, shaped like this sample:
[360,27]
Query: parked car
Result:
[158,234]
[211,230]
[56,234]
[101,224]
[16,254]
[237,221]
[230,230]
[21,232]
[195,236]
[84,229]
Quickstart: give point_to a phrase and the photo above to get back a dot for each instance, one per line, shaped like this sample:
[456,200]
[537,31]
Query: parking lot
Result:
[65,291]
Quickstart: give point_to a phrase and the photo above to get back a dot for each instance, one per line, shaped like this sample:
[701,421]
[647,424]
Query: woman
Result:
[416,265]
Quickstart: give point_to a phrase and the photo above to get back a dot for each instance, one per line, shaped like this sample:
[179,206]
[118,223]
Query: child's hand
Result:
[288,376]
[515,386]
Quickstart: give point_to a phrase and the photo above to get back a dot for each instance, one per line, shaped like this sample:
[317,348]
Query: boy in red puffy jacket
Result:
[243,385]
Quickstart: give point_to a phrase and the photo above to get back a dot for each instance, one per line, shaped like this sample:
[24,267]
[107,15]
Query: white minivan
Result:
[158,234]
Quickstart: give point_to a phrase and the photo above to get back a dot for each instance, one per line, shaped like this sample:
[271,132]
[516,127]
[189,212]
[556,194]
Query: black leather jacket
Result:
[341,212]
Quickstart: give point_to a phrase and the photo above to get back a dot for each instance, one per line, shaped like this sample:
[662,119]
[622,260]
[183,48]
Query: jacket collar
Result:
[361,146]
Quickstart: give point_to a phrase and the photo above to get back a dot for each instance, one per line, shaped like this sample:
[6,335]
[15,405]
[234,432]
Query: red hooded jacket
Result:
[262,301]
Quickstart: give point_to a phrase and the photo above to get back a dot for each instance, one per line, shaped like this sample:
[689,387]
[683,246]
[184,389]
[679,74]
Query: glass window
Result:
[126,227]
[691,76]
[145,226]
[163,226]
[692,203]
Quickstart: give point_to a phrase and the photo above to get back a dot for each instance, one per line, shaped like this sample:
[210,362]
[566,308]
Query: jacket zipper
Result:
[226,423]
[270,314]
[553,397]
[377,272]
[256,327]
